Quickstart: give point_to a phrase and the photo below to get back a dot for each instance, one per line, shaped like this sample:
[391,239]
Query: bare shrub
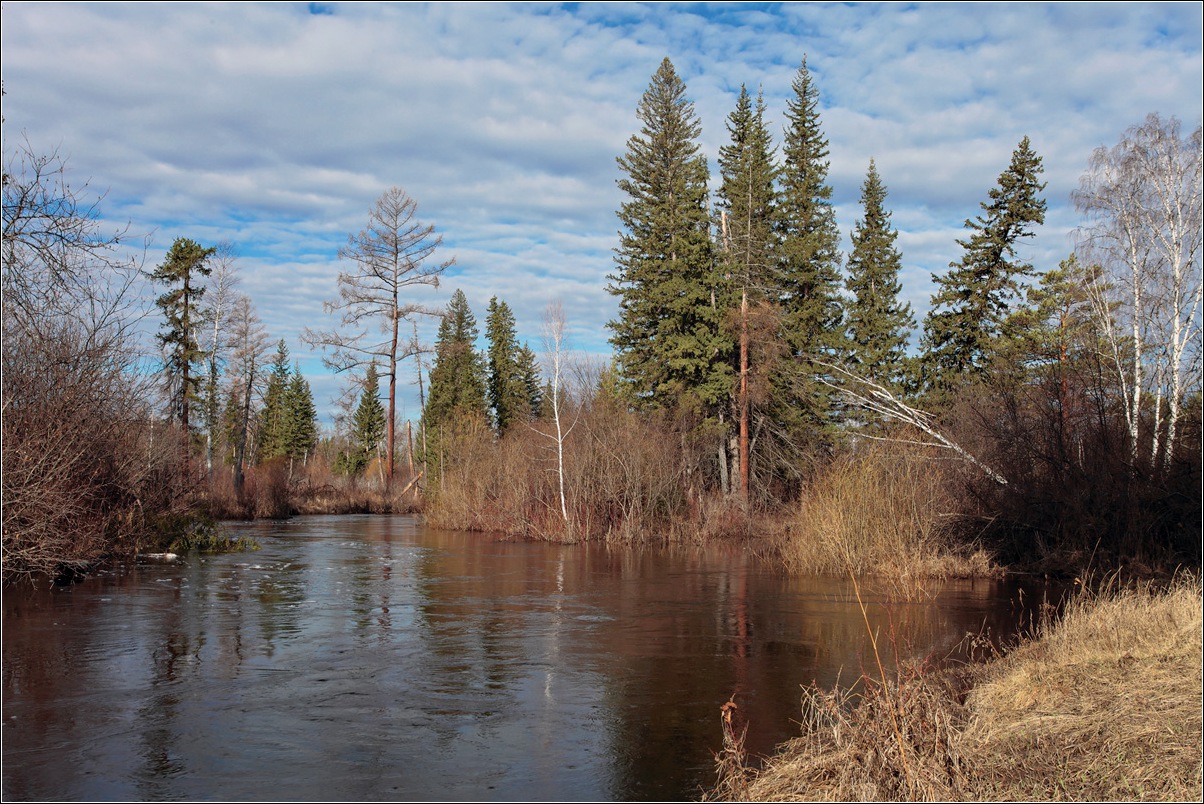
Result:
[86,470]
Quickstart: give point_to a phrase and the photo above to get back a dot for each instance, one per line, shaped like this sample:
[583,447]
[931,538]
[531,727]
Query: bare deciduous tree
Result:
[222,281]
[248,342]
[1142,202]
[83,473]
[390,256]
[553,342]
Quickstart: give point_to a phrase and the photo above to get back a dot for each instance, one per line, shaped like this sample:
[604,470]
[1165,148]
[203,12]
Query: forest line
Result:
[760,377]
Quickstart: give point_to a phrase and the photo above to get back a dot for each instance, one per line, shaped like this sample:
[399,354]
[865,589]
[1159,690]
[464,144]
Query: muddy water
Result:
[369,658]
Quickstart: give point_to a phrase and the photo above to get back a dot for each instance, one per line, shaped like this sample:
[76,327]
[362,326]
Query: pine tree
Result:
[748,242]
[368,423]
[273,429]
[879,324]
[976,296]
[508,394]
[182,268]
[669,346]
[809,279]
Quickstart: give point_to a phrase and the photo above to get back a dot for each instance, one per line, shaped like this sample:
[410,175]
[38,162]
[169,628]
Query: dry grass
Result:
[1104,705]
[887,510]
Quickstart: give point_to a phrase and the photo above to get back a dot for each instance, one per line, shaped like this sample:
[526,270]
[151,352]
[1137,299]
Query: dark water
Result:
[368,658]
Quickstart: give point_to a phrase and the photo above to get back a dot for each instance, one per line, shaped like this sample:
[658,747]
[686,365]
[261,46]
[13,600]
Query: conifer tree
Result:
[368,423]
[975,298]
[301,418]
[508,394]
[186,262]
[748,242]
[810,266]
[669,347]
[809,280]
[273,430]
[457,380]
[879,324]
[529,371]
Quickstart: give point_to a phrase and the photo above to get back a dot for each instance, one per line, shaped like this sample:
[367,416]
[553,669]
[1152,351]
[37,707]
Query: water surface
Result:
[371,657]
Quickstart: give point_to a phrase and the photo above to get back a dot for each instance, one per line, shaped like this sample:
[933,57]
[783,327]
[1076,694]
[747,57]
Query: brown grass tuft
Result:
[1103,705]
[885,509]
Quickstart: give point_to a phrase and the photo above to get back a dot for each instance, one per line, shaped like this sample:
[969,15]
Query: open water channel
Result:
[374,658]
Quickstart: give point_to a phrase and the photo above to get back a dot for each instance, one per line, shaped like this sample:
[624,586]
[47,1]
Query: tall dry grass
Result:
[886,508]
[1105,704]
[624,480]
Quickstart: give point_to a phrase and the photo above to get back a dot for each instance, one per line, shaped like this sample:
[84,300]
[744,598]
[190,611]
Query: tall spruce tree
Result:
[457,380]
[810,264]
[273,420]
[670,349]
[367,425]
[186,262]
[809,279]
[301,418]
[508,395]
[975,298]
[748,245]
[879,323]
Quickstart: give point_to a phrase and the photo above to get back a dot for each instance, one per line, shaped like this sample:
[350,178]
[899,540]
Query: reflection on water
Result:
[359,658]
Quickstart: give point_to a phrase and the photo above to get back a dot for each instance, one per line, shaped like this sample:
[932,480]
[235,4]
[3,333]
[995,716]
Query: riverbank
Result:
[1103,704]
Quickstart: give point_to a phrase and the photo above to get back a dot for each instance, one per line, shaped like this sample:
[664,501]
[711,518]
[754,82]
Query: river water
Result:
[374,658]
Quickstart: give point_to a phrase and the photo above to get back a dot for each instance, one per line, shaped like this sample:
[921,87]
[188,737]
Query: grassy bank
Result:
[1104,704]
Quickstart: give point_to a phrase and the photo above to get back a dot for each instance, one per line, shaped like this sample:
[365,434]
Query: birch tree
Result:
[1141,199]
[248,342]
[222,281]
[390,257]
[553,341]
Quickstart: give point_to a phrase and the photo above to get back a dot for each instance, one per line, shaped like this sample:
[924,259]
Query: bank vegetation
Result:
[1102,703]
[764,389]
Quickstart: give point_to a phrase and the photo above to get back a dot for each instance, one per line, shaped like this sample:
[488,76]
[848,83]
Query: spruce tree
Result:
[368,423]
[457,380]
[809,278]
[273,425]
[748,245]
[529,371]
[186,262]
[980,291]
[508,394]
[669,347]
[879,324]
[301,418]
[810,264]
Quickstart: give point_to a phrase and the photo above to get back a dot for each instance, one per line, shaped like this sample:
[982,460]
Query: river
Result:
[363,658]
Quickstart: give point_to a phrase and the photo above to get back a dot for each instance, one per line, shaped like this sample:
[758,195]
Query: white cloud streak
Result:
[276,128]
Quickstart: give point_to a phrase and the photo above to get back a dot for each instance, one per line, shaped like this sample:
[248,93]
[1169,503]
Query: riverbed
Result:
[375,658]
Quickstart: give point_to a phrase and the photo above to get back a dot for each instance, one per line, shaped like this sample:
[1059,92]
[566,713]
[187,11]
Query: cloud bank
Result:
[276,126]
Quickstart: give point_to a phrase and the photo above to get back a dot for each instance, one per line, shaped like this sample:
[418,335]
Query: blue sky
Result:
[276,126]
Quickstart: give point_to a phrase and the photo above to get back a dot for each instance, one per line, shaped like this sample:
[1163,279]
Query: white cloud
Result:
[276,129]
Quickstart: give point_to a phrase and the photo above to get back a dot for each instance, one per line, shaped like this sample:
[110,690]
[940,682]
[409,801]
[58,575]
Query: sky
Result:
[276,126]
